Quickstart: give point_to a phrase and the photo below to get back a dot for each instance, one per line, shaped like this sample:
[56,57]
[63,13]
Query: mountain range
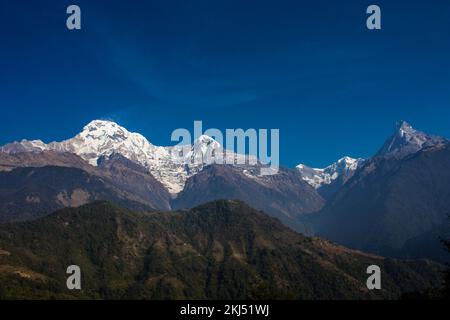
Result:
[393,204]
[172,166]
[163,180]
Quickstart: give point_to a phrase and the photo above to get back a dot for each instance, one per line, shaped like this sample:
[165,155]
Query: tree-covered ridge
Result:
[221,250]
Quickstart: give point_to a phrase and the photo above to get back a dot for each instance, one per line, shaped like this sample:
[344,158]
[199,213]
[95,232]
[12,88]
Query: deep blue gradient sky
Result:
[309,68]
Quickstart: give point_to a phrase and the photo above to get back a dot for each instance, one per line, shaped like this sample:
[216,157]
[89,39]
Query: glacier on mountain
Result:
[317,177]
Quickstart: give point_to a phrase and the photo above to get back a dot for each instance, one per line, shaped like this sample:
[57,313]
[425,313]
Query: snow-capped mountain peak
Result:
[345,163]
[101,128]
[106,131]
[409,135]
[318,177]
[205,144]
[407,140]
[103,138]
[404,127]
[24,146]
[204,139]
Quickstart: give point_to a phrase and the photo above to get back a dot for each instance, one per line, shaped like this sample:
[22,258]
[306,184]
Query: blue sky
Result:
[309,68]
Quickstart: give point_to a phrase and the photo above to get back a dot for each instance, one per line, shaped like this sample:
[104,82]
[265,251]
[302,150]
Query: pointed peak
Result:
[404,128]
[402,125]
[204,139]
[407,140]
[345,163]
[347,159]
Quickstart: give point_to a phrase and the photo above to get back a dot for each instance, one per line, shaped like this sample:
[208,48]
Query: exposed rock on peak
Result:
[407,140]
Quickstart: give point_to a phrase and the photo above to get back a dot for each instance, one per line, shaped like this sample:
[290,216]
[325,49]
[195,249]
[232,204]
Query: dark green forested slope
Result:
[221,250]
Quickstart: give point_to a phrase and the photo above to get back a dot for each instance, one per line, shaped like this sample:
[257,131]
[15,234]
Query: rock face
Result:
[35,184]
[285,195]
[398,203]
[221,250]
[135,179]
[30,193]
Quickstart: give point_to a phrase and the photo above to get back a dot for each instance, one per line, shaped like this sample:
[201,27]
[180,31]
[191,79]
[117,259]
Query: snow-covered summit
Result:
[102,138]
[318,177]
[407,140]
[24,146]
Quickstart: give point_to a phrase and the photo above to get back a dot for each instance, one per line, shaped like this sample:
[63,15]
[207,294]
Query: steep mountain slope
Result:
[135,179]
[329,180]
[30,193]
[120,179]
[398,203]
[23,159]
[114,169]
[284,195]
[222,250]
